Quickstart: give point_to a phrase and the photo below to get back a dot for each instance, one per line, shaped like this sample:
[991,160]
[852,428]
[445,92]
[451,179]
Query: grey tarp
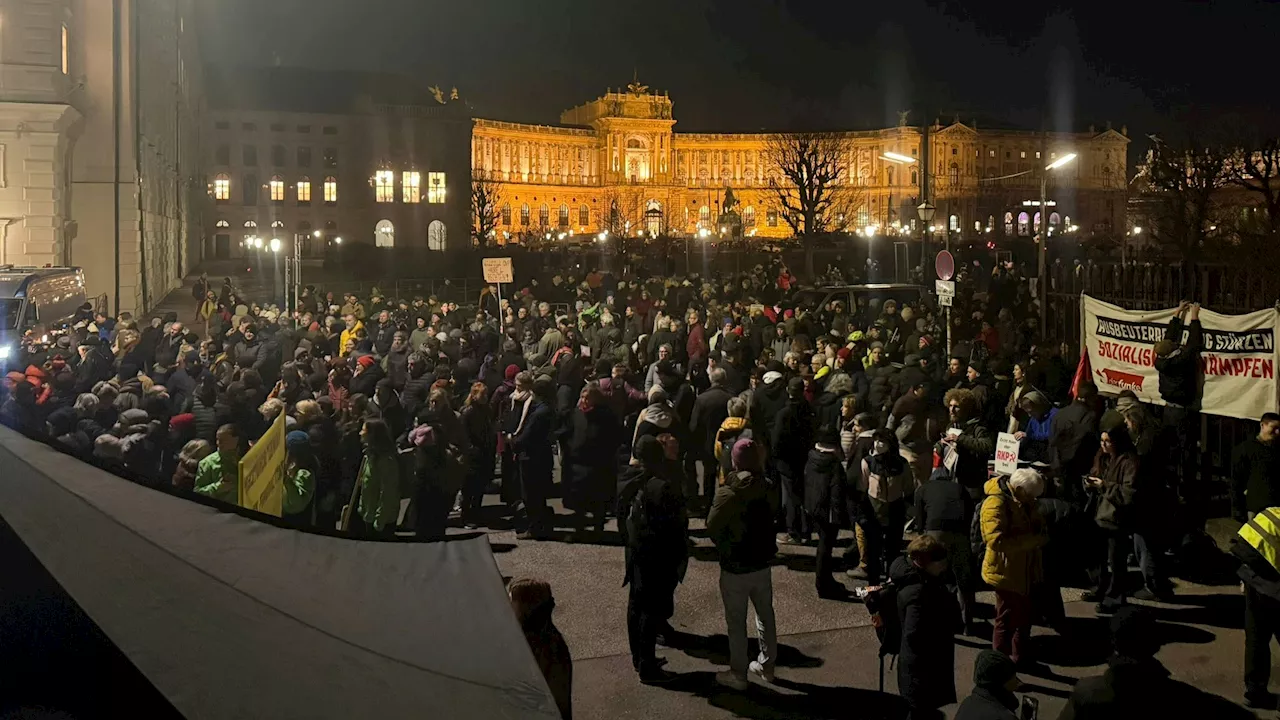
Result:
[229,617]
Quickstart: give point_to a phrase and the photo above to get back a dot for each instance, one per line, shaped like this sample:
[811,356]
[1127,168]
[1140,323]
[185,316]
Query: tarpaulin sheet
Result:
[229,617]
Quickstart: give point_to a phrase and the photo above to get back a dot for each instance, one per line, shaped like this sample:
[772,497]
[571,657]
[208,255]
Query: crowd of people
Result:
[660,400]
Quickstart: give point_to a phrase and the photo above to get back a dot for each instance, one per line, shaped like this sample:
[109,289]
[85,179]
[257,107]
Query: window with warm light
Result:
[411,186]
[330,190]
[771,218]
[544,215]
[66,50]
[584,216]
[524,214]
[222,188]
[384,183]
[277,188]
[953,223]
[304,191]
[435,187]
[506,213]
[564,216]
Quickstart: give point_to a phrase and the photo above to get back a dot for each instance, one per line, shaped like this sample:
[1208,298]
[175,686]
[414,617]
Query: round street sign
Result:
[945,265]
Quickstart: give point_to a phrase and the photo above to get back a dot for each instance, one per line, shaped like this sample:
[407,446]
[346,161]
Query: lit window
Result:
[331,190]
[544,215]
[277,225]
[564,216]
[411,186]
[437,236]
[584,216]
[384,234]
[1023,154]
[991,153]
[304,191]
[771,218]
[524,214]
[435,187]
[277,188]
[223,224]
[704,215]
[222,188]
[384,182]
[1008,223]
[749,217]
[506,213]
[1024,222]
[953,223]
[1037,154]
[66,51]
[955,174]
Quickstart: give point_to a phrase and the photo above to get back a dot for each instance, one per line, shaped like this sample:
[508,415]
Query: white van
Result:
[36,302]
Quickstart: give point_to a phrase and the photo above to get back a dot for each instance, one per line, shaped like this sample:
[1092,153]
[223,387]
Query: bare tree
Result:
[486,209]
[1255,168]
[621,210]
[807,187]
[1181,185]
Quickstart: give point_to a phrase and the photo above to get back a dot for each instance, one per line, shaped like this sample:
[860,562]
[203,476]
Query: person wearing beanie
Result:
[299,479]
[995,678]
[741,526]
[824,504]
[1136,684]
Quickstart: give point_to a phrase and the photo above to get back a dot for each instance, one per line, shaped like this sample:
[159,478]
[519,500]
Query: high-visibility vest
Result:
[1263,534]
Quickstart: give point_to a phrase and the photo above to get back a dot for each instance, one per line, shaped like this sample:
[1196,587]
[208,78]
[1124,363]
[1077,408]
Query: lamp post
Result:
[925,210]
[1042,254]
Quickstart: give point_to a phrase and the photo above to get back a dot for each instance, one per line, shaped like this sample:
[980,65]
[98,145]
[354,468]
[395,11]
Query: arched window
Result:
[749,217]
[222,188]
[331,190]
[1008,223]
[1054,221]
[384,234]
[634,144]
[544,215]
[250,225]
[276,224]
[955,174]
[222,224]
[304,191]
[564,216]
[584,216]
[506,214]
[277,188]
[524,214]
[704,215]
[384,184]
[1024,222]
[437,236]
[1035,223]
[1067,220]
[915,177]
[653,217]
[953,223]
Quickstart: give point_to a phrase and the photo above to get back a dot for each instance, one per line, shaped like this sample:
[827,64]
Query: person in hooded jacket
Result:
[882,490]
[1014,535]
[741,526]
[929,616]
[824,504]
[653,524]
[792,439]
[995,678]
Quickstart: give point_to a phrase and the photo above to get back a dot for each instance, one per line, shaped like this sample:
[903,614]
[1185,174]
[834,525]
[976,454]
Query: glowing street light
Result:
[898,158]
[275,245]
[1060,161]
[317,234]
[603,236]
[257,242]
[1137,230]
[337,240]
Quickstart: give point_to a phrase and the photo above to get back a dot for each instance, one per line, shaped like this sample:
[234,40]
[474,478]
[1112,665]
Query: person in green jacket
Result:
[299,479]
[379,506]
[218,475]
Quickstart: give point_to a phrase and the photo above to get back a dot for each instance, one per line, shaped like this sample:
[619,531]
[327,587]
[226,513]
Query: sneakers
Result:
[759,670]
[1260,700]
[657,676]
[731,681]
[789,539]
[858,573]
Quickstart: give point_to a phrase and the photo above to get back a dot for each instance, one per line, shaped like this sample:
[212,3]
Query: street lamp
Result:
[275,245]
[925,210]
[1042,254]
[897,158]
[337,240]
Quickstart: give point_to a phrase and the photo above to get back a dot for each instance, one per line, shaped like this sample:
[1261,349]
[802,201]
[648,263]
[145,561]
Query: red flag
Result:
[1083,373]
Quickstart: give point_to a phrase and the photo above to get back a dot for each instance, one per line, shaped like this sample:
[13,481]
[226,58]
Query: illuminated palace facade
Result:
[622,149]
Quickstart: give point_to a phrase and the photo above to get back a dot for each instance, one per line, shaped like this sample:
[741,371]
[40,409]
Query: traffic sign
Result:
[946,291]
[945,265]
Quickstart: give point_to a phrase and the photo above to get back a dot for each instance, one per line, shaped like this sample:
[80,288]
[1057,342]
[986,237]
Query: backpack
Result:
[726,453]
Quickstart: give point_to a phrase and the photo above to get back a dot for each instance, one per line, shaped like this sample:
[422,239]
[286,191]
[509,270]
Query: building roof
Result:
[292,89]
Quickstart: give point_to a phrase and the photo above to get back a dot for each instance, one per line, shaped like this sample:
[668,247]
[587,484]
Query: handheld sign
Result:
[498,270]
[1007,448]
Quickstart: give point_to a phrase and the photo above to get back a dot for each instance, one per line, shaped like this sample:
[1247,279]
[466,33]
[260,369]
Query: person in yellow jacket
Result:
[354,325]
[1257,546]
[1013,532]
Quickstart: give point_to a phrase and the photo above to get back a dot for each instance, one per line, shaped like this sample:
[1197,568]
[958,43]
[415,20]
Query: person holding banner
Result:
[1179,368]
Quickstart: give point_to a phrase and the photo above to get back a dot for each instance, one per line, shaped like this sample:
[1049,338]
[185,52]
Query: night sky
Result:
[755,64]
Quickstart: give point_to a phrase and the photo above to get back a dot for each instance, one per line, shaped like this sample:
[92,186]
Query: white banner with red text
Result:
[1237,362]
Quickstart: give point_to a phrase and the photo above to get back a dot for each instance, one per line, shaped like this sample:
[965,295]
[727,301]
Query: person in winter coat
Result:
[1120,493]
[882,487]
[1073,442]
[184,476]
[395,362]
[969,444]
[1036,429]
[532,444]
[927,610]
[378,508]
[1136,684]
[995,678]
[482,436]
[218,475]
[824,504]
[828,405]
[656,418]
[944,510]
[732,429]
[532,603]
[589,469]
[653,524]
[1014,534]
[768,397]
[299,480]
[710,410]
[791,441]
[741,526]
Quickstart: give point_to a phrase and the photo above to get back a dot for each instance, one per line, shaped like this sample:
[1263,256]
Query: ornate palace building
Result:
[622,149]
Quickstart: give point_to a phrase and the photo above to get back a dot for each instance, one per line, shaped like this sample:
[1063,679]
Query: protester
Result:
[532,603]
[995,678]
[928,612]
[1013,534]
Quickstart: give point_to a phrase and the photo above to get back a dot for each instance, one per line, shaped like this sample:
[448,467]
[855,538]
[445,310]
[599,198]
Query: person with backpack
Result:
[741,525]
[653,524]
[929,616]
[732,429]
[882,509]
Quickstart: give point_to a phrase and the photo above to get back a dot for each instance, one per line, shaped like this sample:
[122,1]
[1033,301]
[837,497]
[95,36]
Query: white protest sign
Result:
[1007,447]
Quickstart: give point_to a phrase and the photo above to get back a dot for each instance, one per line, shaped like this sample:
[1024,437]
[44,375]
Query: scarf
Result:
[525,397]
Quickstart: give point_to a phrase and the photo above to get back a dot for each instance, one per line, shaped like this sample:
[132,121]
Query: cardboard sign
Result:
[498,270]
[1007,448]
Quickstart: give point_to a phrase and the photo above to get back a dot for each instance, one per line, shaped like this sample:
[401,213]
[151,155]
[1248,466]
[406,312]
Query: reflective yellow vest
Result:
[1263,534]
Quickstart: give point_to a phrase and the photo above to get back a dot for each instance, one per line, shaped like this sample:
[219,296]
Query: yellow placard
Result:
[262,472]
[498,270]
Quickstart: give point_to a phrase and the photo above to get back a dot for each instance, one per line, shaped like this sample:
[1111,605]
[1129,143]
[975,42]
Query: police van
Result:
[37,305]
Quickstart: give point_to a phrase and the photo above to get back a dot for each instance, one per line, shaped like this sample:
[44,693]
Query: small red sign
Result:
[945,265]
